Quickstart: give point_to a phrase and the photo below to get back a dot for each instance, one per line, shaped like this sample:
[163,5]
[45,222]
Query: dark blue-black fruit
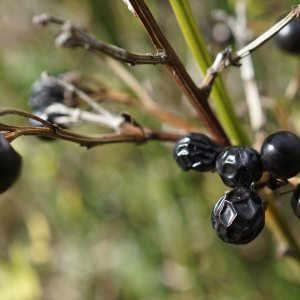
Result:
[239,166]
[44,92]
[280,154]
[196,151]
[239,216]
[288,38]
[10,164]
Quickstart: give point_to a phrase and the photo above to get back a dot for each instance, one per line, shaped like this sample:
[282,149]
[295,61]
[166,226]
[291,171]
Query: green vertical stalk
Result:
[232,125]
[196,43]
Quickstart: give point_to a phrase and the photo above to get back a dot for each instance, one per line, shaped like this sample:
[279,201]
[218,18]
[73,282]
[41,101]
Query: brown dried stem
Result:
[79,37]
[179,73]
[75,36]
[130,131]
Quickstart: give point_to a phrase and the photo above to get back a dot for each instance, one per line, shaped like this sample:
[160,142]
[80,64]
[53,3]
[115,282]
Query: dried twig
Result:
[192,92]
[130,131]
[155,110]
[267,35]
[74,36]
[80,37]
[224,59]
[72,88]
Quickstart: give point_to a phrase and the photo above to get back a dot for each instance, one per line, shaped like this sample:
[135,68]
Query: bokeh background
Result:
[123,221]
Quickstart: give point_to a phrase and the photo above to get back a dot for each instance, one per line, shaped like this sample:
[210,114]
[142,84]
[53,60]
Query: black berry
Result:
[239,216]
[280,154]
[10,164]
[196,151]
[288,38]
[295,202]
[44,92]
[239,166]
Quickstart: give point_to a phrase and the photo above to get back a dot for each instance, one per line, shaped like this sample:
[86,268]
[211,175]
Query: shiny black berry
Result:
[239,166]
[196,151]
[10,164]
[288,38]
[295,202]
[239,216]
[44,92]
[280,154]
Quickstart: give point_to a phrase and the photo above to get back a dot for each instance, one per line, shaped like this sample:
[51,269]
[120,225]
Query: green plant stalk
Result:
[196,43]
[225,109]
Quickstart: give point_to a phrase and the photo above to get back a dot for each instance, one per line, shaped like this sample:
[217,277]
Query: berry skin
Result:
[295,202]
[196,151]
[280,154]
[239,166]
[239,216]
[10,164]
[288,38]
[44,92]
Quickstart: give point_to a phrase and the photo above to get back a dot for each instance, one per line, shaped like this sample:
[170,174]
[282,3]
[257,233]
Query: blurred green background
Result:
[121,221]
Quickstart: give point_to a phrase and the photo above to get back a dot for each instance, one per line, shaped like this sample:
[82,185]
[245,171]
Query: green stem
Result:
[196,43]
[225,109]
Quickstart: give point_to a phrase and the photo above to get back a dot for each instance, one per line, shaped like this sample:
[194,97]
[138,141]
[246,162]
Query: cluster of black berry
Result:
[239,216]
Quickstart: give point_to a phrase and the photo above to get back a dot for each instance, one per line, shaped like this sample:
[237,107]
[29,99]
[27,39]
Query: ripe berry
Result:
[239,216]
[295,202]
[280,154]
[196,151]
[44,92]
[10,164]
[239,166]
[288,38]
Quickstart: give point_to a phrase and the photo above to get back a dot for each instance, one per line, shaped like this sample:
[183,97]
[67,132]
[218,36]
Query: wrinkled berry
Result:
[196,151]
[239,166]
[280,154]
[239,216]
[44,92]
[10,164]
[295,202]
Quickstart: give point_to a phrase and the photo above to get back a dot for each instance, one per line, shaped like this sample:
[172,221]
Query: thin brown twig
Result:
[157,112]
[192,92]
[75,36]
[130,132]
